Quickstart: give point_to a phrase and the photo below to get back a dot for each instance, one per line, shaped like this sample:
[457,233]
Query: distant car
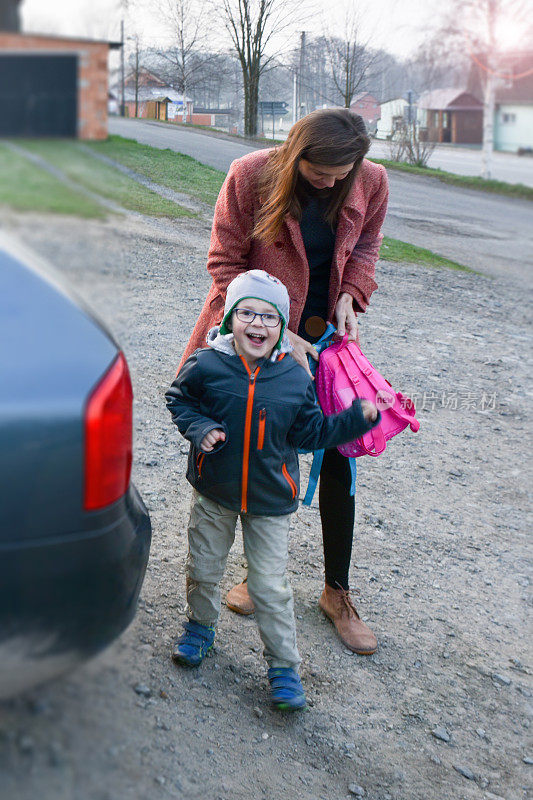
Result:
[74,532]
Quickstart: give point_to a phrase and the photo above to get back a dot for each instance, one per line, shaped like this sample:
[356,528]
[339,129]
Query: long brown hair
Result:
[329,137]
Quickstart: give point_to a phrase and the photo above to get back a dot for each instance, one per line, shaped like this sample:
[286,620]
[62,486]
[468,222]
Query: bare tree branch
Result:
[251,24]
[351,57]
[187,22]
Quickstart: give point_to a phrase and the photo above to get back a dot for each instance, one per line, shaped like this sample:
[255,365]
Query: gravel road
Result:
[442,710]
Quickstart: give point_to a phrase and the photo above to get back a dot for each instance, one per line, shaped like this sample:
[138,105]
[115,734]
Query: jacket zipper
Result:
[261,431]
[289,480]
[199,461]
[247,432]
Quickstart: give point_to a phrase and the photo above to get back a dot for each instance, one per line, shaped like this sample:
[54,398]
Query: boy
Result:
[246,409]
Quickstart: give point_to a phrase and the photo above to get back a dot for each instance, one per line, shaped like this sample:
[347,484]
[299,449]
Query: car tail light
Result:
[108,437]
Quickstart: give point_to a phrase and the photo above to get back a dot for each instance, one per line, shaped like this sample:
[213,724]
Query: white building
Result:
[513,113]
[392,115]
[513,126]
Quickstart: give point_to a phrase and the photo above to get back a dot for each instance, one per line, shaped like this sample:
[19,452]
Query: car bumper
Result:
[62,601]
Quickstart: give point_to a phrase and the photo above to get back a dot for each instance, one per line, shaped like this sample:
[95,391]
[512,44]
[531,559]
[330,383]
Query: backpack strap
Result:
[353,469]
[378,441]
[316,466]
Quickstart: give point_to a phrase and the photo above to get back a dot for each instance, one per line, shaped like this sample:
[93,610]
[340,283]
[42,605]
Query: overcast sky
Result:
[395,25]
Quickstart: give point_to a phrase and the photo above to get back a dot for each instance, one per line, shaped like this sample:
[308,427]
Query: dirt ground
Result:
[442,710]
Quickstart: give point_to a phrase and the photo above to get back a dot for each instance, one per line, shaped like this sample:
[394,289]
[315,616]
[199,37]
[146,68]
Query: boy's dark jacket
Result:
[266,417]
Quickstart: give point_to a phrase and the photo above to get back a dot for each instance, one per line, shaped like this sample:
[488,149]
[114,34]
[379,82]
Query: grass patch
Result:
[396,250]
[26,187]
[183,173]
[465,181]
[104,180]
[265,140]
[166,167]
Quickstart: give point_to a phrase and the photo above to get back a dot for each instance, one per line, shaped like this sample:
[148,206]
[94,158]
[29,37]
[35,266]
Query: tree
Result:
[434,66]
[484,28]
[406,145]
[188,25]
[350,56]
[251,24]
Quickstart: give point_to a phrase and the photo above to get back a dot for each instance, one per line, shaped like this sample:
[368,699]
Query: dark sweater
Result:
[319,242]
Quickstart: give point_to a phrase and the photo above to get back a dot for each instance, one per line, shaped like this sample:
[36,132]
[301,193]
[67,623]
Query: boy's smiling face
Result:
[254,340]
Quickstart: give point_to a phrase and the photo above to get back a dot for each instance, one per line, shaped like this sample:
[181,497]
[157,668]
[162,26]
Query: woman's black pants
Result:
[337,512]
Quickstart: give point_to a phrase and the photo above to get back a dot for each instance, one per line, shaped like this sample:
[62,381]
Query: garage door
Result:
[38,95]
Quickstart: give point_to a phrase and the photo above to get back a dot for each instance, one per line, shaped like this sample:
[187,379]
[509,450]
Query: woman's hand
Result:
[345,316]
[301,349]
[211,438]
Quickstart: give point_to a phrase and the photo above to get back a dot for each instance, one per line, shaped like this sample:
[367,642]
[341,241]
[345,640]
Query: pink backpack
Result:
[343,374]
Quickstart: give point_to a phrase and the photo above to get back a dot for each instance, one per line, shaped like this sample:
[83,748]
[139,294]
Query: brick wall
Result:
[203,119]
[92,75]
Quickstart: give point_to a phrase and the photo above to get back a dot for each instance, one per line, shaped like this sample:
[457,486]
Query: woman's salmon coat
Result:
[232,250]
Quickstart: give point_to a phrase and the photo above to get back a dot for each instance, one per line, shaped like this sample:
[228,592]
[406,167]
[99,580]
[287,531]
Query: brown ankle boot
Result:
[338,606]
[238,599]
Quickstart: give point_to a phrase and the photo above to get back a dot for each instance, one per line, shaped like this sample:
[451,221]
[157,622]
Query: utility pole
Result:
[184,117]
[294,96]
[301,73]
[136,77]
[122,79]
[410,114]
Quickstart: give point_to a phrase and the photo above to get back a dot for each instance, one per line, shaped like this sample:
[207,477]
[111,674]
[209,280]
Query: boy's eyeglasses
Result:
[269,320]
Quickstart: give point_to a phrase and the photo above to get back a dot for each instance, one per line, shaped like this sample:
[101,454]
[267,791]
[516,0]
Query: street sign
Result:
[276,108]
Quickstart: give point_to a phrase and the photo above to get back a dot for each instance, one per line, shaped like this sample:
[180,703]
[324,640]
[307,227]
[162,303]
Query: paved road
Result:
[464,160]
[491,233]
[467,161]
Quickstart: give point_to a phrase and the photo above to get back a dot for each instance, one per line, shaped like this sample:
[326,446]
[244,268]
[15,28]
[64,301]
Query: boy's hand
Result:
[211,438]
[370,411]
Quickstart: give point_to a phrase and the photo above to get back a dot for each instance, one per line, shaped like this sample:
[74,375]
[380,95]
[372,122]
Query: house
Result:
[367,107]
[53,85]
[513,113]
[452,116]
[147,96]
[392,116]
[214,117]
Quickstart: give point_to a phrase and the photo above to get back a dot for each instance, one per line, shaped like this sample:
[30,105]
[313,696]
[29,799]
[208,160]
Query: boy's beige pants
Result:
[211,534]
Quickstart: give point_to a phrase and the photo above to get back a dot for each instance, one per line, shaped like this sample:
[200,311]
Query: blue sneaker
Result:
[286,690]
[193,645]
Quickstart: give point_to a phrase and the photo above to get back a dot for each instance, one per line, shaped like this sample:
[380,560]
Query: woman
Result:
[309,212]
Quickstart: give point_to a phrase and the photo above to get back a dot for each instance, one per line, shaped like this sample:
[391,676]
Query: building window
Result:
[508,118]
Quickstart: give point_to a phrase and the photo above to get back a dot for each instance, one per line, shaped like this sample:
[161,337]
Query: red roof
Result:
[449,100]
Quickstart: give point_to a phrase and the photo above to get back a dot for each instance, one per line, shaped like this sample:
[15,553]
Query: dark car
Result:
[74,532]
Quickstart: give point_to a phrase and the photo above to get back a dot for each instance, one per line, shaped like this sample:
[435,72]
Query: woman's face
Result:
[322,176]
